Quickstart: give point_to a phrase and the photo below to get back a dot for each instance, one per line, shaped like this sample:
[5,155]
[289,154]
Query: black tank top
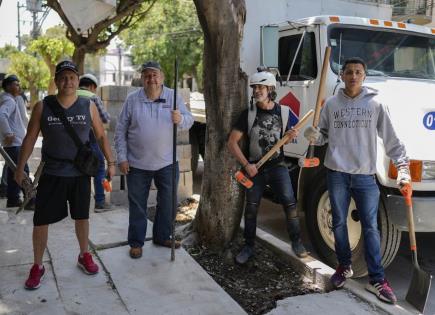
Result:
[58,148]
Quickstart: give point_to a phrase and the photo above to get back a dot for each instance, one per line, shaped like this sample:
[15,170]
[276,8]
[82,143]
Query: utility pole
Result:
[19,24]
[119,64]
[35,30]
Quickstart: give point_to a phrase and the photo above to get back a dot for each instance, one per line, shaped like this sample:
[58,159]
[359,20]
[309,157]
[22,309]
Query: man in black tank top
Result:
[61,182]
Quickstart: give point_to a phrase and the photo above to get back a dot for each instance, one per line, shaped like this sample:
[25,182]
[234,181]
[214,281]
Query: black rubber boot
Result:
[294,231]
[245,254]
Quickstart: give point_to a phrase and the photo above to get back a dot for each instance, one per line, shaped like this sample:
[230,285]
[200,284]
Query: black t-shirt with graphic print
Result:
[265,133]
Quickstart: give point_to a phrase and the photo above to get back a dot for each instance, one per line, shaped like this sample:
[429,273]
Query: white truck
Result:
[401,66]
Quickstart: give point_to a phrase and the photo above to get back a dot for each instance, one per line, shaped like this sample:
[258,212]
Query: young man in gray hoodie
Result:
[350,122]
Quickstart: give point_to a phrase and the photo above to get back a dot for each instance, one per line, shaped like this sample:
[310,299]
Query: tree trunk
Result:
[33,96]
[79,58]
[51,84]
[222,198]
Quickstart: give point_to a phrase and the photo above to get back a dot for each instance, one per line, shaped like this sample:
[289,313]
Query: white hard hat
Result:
[262,78]
[90,77]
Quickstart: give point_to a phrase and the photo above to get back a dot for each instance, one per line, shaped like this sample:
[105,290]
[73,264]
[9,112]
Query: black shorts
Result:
[53,195]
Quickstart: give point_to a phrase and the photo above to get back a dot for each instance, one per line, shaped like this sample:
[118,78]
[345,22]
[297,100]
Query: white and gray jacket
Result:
[11,120]
[351,126]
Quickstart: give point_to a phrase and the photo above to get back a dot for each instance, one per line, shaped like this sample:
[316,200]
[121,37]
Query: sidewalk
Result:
[149,285]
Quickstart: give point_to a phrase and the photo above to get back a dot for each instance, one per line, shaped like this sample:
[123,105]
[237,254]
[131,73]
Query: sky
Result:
[9,21]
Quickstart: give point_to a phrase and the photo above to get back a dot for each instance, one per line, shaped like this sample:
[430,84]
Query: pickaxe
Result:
[311,160]
[29,186]
[243,179]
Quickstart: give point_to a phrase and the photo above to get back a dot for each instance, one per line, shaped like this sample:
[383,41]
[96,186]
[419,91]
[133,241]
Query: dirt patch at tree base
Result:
[256,286]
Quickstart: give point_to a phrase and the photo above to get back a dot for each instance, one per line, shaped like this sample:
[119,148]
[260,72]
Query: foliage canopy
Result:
[172,30]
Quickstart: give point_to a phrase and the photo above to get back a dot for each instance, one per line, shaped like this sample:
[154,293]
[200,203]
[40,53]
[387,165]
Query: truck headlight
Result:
[420,170]
[415,168]
[428,170]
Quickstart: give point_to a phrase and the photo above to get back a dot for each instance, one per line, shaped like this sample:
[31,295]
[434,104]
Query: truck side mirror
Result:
[269,46]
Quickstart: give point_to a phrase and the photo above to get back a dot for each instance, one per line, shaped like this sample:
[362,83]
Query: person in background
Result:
[22,106]
[87,88]
[12,130]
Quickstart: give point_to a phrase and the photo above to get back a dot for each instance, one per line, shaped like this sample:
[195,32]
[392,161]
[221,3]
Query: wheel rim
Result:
[324,222]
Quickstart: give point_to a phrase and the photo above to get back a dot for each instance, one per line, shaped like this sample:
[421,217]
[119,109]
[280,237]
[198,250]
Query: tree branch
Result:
[71,33]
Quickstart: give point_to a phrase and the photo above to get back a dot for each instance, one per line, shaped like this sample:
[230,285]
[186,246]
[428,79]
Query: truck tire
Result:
[319,224]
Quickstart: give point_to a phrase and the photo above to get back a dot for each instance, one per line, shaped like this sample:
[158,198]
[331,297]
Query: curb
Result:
[319,273]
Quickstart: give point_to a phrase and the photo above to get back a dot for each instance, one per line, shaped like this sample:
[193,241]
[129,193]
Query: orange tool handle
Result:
[107,185]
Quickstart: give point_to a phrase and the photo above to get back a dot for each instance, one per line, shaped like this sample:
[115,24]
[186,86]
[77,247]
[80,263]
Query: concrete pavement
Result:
[149,285]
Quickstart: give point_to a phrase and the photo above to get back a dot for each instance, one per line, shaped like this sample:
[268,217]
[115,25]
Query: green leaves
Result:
[30,70]
[170,29]
[52,50]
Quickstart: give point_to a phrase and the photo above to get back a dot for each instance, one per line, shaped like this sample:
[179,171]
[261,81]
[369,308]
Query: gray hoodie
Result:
[351,126]
[10,119]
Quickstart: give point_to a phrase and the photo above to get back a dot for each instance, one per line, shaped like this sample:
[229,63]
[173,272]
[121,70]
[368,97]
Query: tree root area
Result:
[256,286]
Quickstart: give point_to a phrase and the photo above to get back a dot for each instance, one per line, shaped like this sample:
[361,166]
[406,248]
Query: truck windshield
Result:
[387,53]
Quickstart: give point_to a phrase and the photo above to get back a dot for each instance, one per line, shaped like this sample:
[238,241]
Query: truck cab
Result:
[401,66]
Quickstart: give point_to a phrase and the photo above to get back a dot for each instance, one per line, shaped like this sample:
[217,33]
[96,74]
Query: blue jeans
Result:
[98,185]
[13,191]
[139,183]
[279,180]
[364,190]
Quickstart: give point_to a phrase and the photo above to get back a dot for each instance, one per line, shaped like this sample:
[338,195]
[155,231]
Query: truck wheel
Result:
[319,223]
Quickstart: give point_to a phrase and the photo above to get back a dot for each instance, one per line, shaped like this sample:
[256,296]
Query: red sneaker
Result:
[87,264]
[35,277]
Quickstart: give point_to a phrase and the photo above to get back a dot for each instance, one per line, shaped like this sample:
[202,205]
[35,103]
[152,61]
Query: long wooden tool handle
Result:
[411,228]
[283,140]
[407,193]
[321,91]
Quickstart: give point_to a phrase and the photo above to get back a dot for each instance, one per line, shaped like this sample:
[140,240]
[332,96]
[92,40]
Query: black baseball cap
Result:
[9,79]
[66,65]
[151,65]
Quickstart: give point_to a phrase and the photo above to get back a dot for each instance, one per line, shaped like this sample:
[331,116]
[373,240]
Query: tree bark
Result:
[33,96]
[51,84]
[79,58]
[222,198]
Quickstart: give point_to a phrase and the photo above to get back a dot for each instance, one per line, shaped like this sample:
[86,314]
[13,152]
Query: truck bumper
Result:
[424,212]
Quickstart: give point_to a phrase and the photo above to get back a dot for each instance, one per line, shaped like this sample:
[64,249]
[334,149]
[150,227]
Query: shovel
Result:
[418,291]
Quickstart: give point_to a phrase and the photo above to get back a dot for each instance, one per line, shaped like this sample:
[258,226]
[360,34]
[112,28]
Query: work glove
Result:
[403,176]
[312,134]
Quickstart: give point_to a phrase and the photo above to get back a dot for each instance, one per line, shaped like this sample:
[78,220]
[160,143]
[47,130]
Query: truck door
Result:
[298,75]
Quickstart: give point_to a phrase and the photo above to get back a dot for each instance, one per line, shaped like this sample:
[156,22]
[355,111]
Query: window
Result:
[387,53]
[305,67]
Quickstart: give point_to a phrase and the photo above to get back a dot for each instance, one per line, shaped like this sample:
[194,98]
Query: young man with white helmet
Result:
[264,123]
